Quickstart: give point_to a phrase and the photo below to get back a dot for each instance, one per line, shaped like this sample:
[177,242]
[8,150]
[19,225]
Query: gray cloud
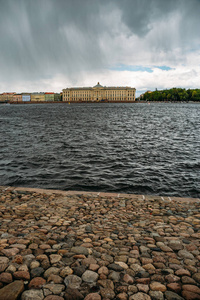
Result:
[41,38]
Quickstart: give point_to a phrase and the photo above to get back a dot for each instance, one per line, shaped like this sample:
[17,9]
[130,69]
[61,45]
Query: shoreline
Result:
[89,102]
[100,194]
[59,245]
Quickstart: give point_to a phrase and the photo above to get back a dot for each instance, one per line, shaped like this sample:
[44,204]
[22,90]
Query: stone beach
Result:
[57,245]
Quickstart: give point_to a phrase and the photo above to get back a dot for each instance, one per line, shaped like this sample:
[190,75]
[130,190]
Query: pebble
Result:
[37,272]
[51,270]
[156,295]
[140,296]
[86,246]
[36,283]
[93,296]
[32,294]
[53,297]
[172,296]
[71,294]
[185,254]
[107,293]
[73,281]
[90,276]
[157,286]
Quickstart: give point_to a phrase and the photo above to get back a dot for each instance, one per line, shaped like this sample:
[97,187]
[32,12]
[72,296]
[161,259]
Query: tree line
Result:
[172,95]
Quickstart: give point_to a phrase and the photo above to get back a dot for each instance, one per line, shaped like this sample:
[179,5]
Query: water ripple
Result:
[131,148]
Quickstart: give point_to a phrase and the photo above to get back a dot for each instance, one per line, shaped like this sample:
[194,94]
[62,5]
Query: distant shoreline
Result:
[103,102]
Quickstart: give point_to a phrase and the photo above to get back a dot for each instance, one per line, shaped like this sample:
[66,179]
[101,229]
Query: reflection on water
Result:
[132,148]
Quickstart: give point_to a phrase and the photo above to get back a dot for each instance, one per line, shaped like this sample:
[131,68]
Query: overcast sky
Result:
[48,45]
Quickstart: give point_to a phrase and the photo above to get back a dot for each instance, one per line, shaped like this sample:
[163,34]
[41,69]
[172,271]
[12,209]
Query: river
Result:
[136,148]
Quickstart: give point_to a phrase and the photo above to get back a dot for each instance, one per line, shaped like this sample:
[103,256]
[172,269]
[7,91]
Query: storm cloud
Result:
[48,44]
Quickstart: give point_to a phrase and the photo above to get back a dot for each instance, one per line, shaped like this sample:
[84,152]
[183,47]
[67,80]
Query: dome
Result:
[98,85]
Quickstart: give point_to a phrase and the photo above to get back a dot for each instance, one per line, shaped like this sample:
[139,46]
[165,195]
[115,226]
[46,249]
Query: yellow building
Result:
[99,93]
[37,97]
[6,97]
[17,98]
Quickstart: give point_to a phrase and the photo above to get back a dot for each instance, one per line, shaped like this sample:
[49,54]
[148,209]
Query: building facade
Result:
[57,97]
[99,93]
[6,97]
[49,97]
[26,97]
[38,97]
[17,98]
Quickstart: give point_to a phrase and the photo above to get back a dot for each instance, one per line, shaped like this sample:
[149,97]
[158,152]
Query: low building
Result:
[7,97]
[26,97]
[99,93]
[17,98]
[49,97]
[37,97]
[57,97]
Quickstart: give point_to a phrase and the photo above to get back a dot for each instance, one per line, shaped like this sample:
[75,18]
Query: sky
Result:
[48,45]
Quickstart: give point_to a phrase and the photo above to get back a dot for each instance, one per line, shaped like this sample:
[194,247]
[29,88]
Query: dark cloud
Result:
[41,38]
[139,15]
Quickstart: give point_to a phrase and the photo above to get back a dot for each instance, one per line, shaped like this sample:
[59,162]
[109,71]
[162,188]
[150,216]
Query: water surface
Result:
[131,148]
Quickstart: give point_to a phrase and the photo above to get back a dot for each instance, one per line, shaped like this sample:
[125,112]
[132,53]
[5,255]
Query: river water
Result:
[136,148]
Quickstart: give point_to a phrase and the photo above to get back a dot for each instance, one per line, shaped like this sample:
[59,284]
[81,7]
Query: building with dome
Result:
[99,93]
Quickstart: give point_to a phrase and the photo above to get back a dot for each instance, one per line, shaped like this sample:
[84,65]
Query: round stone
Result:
[51,270]
[90,276]
[172,296]
[185,254]
[73,282]
[5,277]
[36,283]
[157,286]
[93,296]
[32,294]
[140,296]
